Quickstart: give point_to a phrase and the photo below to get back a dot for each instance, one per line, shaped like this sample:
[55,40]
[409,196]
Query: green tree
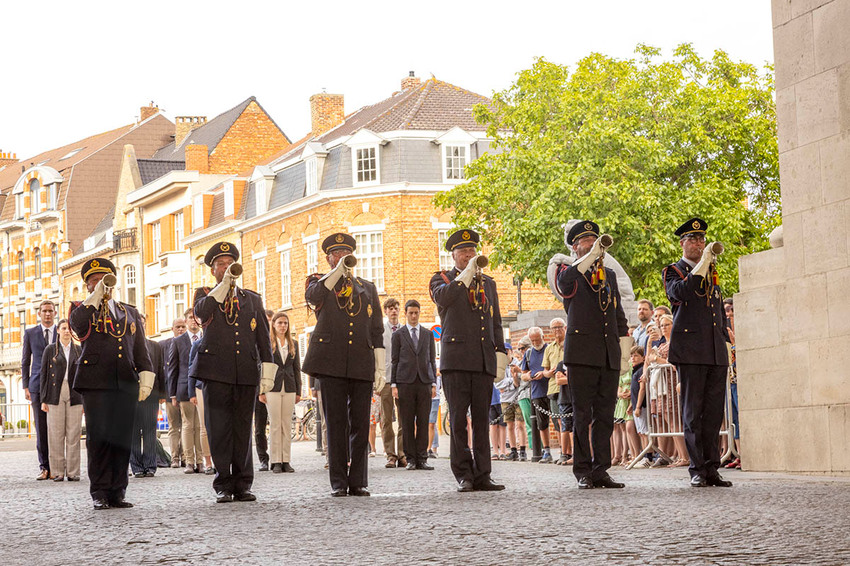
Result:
[638,145]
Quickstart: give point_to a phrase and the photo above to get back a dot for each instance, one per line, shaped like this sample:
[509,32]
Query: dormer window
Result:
[312,164]
[365,157]
[366,164]
[455,150]
[455,160]
[35,196]
[261,196]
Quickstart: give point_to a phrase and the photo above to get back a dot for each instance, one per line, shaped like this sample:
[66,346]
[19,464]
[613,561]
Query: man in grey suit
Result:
[35,340]
[175,422]
[393,443]
[414,384]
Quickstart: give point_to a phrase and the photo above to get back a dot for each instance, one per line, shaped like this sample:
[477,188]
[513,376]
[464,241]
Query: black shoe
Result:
[513,456]
[717,481]
[359,491]
[223,497]
[120,504]
[402,463]
[606,481]
[139,475]
[464,486]
[698,481]
[100,504]
[522,456]
[287,468]
[264,466]
[431,454]
[210,471]
[244,496]
[422,466]
[410,466]
[277,468]
[58,478]
[150,474]
[342,492]
[488,485]
[73,478]
[585,483]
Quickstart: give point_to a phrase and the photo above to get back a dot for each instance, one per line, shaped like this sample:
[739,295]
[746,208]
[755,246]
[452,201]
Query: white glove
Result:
[380,369]
[583,263]
[501,364]
[330,279]
[220,291]
[626,343]
[707,259]
[467,274]
[96,296]
[267,377]
[145,384]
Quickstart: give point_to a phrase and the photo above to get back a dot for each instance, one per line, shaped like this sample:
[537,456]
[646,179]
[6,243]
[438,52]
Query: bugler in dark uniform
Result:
[346,354]
[233,349]
[472,356]
[113,373]
[698,349]
[593,352]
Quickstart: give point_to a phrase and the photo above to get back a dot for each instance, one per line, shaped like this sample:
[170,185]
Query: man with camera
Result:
[346,354]
[234,356]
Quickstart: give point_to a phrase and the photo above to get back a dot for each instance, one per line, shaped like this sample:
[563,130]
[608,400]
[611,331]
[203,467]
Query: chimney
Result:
[7,158]
[410,81]
[185,124]
[147,111]
[327,111]
[197,158]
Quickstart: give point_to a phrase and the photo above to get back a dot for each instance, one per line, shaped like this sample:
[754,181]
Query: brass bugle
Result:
[716,248]
[235,270]
[349,261]
[481,261]
[109,281]
[606,241]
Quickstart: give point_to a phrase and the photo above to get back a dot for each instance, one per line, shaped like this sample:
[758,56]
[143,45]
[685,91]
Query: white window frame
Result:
[262,201]
[311,253]
[156,239]
[286,279]
[198,212]
[452,165]
[370,256]
[19,206]
[356,160]
[179,310]
[229,205]
[156,306]
[178,230]
[54,260]
[52,195]
[447,262]
[260,270]
[35,196]
[312,174]
[130,283]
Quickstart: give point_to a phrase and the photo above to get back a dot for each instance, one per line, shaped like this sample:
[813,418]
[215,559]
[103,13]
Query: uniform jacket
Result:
[699,323]
[106,361]
[178,368]
[471,336]
[155,351]
[593,335]
[53,364]
[231,353]
[288,376]
[33,349]
[411,363]
[342,345]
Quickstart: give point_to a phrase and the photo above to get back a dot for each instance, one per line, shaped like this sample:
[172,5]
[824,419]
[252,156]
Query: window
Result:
[37,256]
[54,260]
[260,266]
[285,280]
[21,267]
[52,194]
[367,164]
[156,239]
[35,196]
[178,230]
[156,317]
[22,321]
[312,176]
[446,261]
[1,273]
[2,330]
[130,283]
[455,161]
[179,300]
[312,258]
[19,206]
[370,257]
[260,194]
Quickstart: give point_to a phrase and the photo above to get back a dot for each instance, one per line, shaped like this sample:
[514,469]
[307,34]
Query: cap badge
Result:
[695,225]
[465,235]
[588,226]
[95,263]
[225,247]
[339,239]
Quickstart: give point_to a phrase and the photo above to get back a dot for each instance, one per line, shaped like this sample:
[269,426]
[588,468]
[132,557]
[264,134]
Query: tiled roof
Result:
[211,133]
[152,169]
[217,210]
[99,232]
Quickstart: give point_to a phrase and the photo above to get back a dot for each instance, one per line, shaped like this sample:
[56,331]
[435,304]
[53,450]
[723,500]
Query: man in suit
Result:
[414,384]
[346,355]
[473,355]
[236,338]
[261,422]
[196,392]
[393,442]
[698,349]
[181,395]
[113,374]
[596,340]
[143,448]
[35,340]
[175,423]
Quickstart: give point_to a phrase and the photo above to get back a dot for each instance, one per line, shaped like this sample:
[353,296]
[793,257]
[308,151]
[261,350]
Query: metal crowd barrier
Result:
[17,420]
[664,412]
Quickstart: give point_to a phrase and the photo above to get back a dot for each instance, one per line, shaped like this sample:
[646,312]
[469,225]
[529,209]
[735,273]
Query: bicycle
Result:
[304,427]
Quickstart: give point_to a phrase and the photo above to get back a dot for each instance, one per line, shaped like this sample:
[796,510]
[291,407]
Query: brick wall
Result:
[326,112]
[251,139]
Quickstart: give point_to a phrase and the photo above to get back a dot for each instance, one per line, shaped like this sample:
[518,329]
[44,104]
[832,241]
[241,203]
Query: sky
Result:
[74,69]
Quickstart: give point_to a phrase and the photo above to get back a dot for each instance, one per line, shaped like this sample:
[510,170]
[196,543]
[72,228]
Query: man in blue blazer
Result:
[35,340]
[182,391]
[414,384]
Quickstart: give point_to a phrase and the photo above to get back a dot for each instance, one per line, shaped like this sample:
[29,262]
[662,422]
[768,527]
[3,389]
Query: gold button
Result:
[715,324]
[119,355]
[85,361]
[237,324]
[237,342]
[237,333]
[119,339]
[206,351]
[351,333]
[349,341]
[686,330]
[237,351]
[350,324]
[453,339]
[120,347]
[482,338]
[482,328]
[576,331]
[320,340]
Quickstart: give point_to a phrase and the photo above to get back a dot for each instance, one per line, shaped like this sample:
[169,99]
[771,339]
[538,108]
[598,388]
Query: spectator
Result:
[524,392]
[143,446]
[393,441]
[193,327]
[175,422]
[182,393]
[644,314]
[63,405]
[498,427]
[621,417]
[637,428]
[668,407]
[35,339]
[733,378]
[533,372]
[261,420]
[511,411]
[555,371]
[433,437]
[658,312]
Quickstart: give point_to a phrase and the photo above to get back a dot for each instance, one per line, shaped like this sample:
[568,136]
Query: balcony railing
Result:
[124,240]
[37,287]
[10,356]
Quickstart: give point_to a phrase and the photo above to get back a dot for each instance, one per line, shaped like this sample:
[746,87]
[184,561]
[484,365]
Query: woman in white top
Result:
[63,405]
[280,401]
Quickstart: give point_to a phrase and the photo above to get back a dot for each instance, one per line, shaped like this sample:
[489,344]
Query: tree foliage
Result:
[638,145]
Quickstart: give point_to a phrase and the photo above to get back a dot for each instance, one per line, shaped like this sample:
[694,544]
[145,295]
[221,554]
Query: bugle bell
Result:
[481,262]
[109,281]
[349,261]
[716,248]
[235,270]
[606,241]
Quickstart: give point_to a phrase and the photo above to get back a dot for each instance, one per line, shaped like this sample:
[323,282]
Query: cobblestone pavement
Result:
[416,517]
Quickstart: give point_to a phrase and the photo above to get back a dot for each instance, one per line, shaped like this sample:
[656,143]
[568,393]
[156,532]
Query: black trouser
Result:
[227,412]
[703,397]
[40,421]
[143,447]
[467,390]
[594,393]
[347,403]
[109,430]
[414,400]
[261,420]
